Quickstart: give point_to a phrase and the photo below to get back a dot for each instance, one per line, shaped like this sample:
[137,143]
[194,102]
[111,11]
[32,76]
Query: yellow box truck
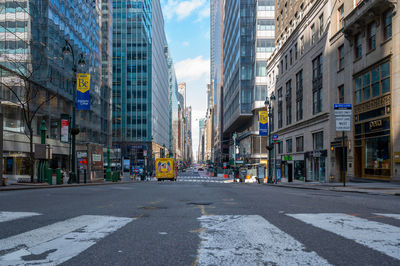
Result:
[165,169]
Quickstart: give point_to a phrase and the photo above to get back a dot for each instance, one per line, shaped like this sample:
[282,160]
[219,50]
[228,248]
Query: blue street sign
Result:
[342,106]
[275,137]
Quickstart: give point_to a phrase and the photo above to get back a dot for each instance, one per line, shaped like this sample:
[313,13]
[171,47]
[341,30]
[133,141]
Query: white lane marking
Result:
[390,215]
[9,216]
[381,237]
[250,240]
[58,242]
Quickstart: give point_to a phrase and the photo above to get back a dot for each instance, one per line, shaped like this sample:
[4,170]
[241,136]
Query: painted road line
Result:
[250,240]
[390,215]
[378,236]
[9,216]
[58,242]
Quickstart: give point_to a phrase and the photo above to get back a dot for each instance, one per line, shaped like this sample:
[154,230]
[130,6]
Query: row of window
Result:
[318,143]
[371,35]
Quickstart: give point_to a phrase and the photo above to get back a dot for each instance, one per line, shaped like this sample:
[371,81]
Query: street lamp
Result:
[67,49]
[268,102]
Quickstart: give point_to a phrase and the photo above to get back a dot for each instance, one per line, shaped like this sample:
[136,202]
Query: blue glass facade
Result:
[238,61]
[140,76]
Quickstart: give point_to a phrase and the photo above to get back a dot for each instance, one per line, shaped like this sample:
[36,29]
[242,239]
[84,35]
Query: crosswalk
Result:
[202,179]
[225,239]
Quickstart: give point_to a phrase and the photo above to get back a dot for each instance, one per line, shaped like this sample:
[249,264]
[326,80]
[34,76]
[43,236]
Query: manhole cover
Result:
[200,203]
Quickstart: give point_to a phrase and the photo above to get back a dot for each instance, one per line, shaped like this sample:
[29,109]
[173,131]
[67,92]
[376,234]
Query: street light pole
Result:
[270,147]
[67,49]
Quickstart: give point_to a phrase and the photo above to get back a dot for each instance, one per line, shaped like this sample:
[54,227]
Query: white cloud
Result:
[183,9]
[192,69]
[185,44]
[204,13]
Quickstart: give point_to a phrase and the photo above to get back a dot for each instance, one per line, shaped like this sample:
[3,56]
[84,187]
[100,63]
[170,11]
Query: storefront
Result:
[372,141]
[316,165]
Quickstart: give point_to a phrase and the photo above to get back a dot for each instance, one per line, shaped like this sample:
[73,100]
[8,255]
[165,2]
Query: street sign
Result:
[343,113]
[343,123]
[275,137]
[343,109]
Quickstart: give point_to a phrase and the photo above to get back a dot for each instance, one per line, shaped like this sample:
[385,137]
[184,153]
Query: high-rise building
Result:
[32,37]
[106,68]
[182,91]
[216,70]
[140,81]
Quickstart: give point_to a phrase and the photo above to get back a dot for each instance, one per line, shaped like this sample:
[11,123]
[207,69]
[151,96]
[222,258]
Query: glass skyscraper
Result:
[238,62]
[141,123]
[32,35]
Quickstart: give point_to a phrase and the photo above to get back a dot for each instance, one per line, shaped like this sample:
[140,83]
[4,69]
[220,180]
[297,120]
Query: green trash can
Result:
[59,176]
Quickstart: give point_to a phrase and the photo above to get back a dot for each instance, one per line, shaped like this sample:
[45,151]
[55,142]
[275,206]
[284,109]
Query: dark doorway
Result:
[290,172]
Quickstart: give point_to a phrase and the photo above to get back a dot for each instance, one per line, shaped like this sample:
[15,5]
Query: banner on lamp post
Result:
[64,128]
[263,123]
[82,91]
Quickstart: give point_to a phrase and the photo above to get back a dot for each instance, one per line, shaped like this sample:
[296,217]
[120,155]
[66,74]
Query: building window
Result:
[288,145]
[372,36]
[289,102]
[261,68]
[265,45]
[340,17]
[291,57]
[272,120]
[280,147]
[301,45]
[321,24]
[300,144]
[317,84]
[341,94]
[387,25]
[280,108]
[358,46]
[373,83]
[281,67]
[265,24]
[313,34]
[286,62]
[341,57]
[295,51]
[318,140]
[299,95]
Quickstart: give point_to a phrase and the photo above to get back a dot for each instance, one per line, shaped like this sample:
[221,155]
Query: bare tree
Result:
[19,78]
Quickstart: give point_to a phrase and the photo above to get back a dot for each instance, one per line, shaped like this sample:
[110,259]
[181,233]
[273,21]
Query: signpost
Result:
[343,114]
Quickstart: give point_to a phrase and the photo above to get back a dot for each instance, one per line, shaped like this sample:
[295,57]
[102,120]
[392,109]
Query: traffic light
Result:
[269,147]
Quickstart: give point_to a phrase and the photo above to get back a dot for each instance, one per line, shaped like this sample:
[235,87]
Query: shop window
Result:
[375,82]
[377,156]
[387,25]
[385,76]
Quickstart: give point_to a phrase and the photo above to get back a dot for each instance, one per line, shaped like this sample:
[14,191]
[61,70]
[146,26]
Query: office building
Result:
[31,43]
[140,82]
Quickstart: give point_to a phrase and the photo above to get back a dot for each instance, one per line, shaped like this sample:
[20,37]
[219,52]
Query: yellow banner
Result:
[263,117]
[82,82]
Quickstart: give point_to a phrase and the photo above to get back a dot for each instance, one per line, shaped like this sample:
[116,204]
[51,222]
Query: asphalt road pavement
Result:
[196,221]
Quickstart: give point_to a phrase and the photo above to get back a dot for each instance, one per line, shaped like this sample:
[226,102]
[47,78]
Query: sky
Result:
[187,26]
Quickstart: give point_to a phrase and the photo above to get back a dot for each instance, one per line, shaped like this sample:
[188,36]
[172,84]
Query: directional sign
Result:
[343,123]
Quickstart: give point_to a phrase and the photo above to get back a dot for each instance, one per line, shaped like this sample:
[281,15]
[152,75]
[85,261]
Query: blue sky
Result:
[187,26]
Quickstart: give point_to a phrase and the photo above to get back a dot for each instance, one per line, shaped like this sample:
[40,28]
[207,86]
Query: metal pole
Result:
[2,181]
[275,162]
[269,144]
[343,162]
[73,137]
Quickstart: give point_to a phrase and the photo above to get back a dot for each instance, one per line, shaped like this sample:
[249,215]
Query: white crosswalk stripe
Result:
[379,236]
[390,215]
[250,240]
[10,216]
[58,242]
[203,179]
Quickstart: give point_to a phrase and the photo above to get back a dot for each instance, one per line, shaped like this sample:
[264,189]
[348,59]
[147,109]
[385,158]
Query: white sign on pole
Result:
[343,123]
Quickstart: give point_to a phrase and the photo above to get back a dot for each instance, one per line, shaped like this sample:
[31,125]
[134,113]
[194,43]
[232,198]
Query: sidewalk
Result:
[375,188]
[25,186]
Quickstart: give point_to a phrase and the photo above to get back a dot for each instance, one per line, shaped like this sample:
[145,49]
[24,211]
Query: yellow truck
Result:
[165,169]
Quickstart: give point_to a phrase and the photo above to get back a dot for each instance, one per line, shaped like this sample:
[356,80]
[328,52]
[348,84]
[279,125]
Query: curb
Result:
[336,190]
[27,187]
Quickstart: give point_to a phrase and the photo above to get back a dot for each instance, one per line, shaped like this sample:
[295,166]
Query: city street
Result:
[197,223]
